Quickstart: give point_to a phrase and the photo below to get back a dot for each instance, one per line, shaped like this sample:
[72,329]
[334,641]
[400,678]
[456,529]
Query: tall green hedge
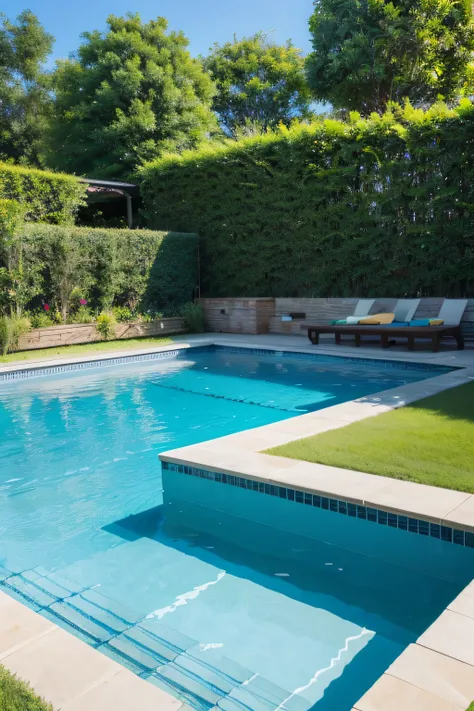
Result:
[153,271]
[48,197]
[383,206]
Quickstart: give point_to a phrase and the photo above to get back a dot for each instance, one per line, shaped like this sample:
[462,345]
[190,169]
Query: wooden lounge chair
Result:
[451,312]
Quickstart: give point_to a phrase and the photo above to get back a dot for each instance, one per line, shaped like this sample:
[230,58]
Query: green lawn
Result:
[85,349]
[429,442]
[471,707]
[16,695]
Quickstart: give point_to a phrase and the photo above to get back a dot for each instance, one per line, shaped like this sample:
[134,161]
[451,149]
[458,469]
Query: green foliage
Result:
[193,317]
[136,269]
[16,695]
[126,96]
[259,84]
[11,330]
[16,288]
[11,217]
[25,101]
[124,314]
[82,315]
[377,207]
[4,335]
[41,319]
[105,325]
[45,196]
[369,53]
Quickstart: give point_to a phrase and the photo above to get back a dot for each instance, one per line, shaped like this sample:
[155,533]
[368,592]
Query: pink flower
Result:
[83,302]
[46,307]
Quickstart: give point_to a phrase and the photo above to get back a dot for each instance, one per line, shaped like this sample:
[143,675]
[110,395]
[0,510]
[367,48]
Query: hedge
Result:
[152,271]
[48,197]
[376,207]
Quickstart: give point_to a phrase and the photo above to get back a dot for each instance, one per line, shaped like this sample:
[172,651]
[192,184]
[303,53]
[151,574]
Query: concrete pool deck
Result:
[435,674]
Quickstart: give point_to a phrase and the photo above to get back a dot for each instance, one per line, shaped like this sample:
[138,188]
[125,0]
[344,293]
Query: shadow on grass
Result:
[456,403]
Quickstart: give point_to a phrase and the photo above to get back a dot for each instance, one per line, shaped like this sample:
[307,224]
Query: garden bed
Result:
[73,334]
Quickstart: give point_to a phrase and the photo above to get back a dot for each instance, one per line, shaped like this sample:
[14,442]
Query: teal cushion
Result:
[394,324]
[420,322]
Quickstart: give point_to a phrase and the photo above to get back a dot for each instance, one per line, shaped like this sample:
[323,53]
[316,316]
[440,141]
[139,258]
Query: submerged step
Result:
[186,682]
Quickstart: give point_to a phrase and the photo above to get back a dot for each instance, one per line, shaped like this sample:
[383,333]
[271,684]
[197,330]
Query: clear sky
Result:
[203,21]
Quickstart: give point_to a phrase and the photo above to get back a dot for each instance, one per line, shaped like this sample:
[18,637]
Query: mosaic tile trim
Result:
[383,518]
[38,371]
[320,358]
[87,365]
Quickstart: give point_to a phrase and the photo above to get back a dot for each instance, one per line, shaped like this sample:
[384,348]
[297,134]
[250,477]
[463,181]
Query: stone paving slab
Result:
[123,692]
[67,672]
[391,694]
[464,603]
[19,625]
[428,502]
[463,515]
[435,673]
[451,634]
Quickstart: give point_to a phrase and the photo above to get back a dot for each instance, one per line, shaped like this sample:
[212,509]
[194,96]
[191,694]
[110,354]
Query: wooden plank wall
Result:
[326,310]
[72,334]
[264,315]
[238,315]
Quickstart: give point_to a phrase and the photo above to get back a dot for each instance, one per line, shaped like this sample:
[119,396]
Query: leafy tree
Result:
[259,84]
[24,98]
[369,52]
[128,95]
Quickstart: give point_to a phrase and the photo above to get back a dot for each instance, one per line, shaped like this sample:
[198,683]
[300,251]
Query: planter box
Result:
[238,315]
[67,335]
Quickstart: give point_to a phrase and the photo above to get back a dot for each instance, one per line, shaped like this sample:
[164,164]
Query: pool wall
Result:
[416,551]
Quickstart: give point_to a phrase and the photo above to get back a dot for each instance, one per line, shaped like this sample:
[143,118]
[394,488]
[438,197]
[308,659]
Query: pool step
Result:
[147,646]
[199,675]
[34,589]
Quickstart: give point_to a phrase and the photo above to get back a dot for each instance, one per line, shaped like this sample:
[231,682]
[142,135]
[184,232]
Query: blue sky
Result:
[203,21]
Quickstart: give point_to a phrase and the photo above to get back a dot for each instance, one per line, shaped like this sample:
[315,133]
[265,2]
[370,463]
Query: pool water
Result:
[214,607]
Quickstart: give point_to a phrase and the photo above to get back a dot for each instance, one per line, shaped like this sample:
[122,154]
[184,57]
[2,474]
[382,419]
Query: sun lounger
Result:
[451,310]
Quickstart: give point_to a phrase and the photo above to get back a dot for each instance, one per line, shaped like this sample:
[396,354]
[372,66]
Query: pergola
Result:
[105,190]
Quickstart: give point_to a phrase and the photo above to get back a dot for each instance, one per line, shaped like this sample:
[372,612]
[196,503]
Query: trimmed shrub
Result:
[11,330]
[137,269]
[105,325]
[376,207]
[193,317]
[45,196]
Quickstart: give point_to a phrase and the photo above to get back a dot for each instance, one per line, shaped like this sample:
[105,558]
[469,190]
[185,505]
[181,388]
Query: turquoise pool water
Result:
[215,609]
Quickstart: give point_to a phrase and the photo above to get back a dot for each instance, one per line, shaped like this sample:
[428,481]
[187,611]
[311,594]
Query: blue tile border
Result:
[38,370]
[87,365]
[345,508]
[321,358]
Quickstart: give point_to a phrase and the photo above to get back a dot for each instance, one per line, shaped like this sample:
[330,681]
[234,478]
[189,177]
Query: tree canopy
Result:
[24,97]
[128,95]
[259,84]
[369,52]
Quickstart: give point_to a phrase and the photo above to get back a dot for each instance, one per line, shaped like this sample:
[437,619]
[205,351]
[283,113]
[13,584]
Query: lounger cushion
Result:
[376,319]
[426,322]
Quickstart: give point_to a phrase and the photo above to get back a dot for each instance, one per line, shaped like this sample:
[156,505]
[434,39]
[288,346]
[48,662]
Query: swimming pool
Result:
[214,609]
